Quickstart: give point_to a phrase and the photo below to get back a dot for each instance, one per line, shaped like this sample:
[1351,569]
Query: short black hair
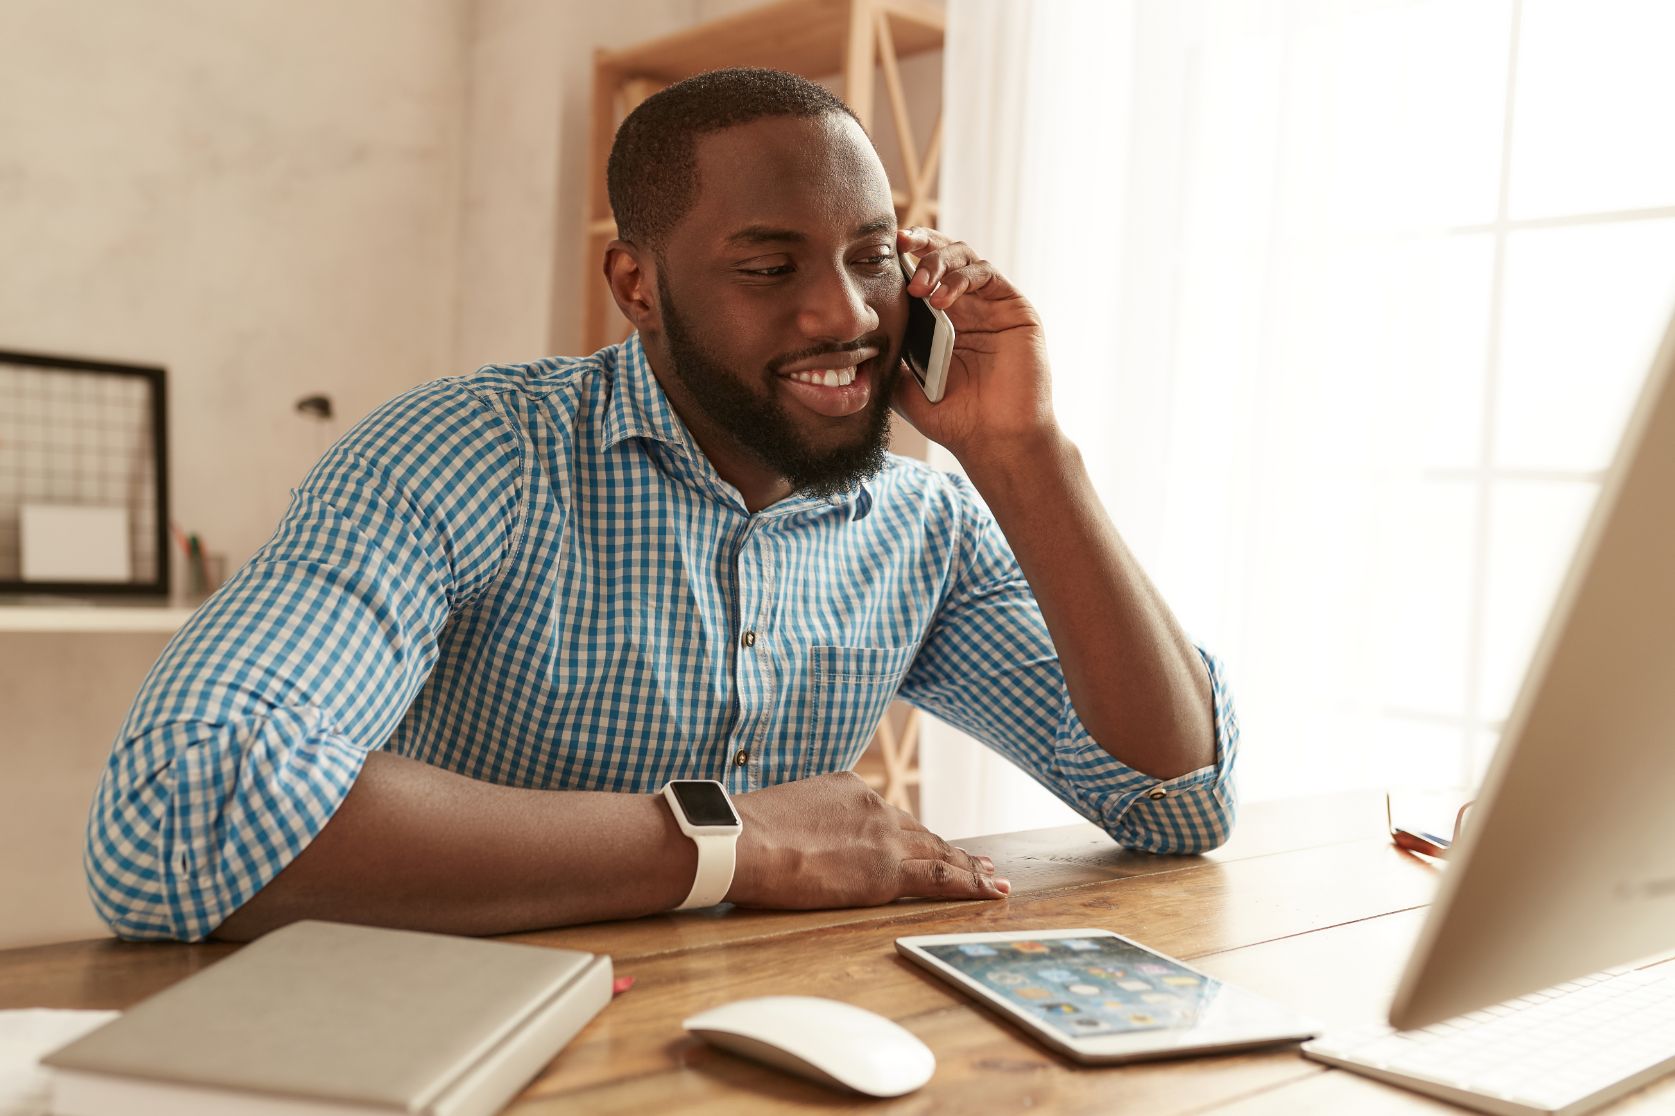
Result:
[652,173]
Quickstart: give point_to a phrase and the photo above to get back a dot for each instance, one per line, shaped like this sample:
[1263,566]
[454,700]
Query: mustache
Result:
[876,341]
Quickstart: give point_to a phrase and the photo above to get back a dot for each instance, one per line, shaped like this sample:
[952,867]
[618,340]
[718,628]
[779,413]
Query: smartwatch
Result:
[705,813]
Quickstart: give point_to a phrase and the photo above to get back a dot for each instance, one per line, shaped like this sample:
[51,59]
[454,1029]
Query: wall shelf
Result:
[55,615]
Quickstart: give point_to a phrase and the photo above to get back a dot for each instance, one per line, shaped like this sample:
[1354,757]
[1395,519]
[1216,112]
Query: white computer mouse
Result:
[827,1041]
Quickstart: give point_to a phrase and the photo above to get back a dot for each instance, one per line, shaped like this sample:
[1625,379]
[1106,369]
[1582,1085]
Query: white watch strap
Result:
[717,854]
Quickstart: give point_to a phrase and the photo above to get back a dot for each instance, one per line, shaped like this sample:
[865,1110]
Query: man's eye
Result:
[877,261]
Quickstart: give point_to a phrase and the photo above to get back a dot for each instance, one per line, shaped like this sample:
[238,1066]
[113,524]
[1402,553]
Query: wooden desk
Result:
[1308,904]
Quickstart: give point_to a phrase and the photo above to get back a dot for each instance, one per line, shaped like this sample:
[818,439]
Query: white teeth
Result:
[831,377]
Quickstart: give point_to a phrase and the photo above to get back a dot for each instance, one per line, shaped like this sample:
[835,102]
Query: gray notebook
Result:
[327,1019]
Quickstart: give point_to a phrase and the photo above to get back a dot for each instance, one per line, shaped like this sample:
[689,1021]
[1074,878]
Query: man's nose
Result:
[836,308]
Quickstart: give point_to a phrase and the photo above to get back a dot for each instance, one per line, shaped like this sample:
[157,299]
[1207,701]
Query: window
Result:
[1386,278]
[1426,251]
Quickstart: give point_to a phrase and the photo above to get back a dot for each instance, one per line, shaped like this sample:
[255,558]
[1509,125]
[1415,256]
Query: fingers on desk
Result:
[948,879]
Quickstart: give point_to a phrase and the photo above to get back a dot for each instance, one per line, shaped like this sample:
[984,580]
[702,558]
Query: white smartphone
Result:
[930,339]
[1099,997]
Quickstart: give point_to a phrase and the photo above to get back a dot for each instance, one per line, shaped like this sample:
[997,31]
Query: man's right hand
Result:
[831,841]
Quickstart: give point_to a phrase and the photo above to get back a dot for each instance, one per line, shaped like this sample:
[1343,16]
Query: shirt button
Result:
[1157,795]
[750,639]
[743,758]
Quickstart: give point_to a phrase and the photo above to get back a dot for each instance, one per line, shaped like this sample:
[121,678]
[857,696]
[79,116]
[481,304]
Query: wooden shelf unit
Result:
[814,38]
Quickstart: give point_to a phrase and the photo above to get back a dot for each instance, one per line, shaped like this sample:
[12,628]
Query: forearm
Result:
[417,847]
[1137,683]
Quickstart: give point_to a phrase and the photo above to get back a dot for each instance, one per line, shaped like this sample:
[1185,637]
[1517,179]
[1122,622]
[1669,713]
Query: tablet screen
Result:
[1085,986]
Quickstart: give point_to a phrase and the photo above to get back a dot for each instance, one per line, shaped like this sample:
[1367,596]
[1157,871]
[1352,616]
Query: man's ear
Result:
[633,283]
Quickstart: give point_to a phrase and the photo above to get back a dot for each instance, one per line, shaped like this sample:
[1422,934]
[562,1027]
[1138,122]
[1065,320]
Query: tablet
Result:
[1099,997]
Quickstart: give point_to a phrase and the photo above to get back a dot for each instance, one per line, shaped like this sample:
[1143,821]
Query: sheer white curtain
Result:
[1346,301]
[1017,147]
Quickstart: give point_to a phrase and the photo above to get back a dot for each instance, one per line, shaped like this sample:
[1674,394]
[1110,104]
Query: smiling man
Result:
[507,608]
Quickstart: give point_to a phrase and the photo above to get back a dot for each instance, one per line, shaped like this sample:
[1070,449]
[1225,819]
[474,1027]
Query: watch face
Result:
[704,802]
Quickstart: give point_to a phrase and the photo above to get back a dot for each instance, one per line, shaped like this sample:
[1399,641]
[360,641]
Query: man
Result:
[508,607]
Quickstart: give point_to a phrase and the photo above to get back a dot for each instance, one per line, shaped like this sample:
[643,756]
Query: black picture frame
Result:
[155,377]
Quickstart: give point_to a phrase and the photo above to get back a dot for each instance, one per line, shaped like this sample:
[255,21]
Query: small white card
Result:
[65,542]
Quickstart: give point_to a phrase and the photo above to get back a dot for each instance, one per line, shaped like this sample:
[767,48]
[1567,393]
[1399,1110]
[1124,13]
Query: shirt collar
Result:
[639,408]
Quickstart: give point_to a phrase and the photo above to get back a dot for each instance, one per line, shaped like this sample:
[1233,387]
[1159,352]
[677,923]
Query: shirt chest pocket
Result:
[849,689]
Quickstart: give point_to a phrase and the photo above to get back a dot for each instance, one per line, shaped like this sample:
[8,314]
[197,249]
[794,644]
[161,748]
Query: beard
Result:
[757,421]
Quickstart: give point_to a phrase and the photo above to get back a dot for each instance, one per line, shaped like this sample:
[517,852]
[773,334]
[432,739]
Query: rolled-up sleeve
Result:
[253,725]
[988,667]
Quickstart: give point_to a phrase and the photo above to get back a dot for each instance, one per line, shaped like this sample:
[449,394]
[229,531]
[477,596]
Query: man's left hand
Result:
[998,397]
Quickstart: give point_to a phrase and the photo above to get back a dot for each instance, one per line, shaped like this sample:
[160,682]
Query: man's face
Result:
[782,304]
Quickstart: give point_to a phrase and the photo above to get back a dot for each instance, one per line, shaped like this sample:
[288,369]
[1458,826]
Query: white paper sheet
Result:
[25,1037]
[63,542]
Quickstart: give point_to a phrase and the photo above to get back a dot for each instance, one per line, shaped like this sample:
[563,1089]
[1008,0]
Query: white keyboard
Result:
[1565,1050]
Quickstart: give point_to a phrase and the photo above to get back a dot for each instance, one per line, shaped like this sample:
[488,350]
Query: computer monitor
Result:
[1567,863]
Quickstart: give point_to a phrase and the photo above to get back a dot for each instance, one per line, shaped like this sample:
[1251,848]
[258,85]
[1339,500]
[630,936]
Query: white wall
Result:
[262,197]
[61,698]
[531,84]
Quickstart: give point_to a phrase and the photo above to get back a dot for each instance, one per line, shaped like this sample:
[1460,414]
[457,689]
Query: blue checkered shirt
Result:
[532,575]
